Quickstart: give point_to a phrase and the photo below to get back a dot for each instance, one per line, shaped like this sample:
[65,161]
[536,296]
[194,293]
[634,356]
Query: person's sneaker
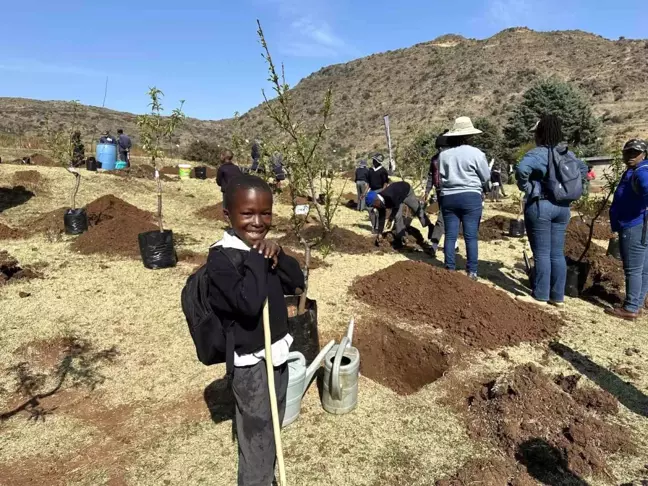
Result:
[621,313]
[473,276]
[560,305]
[528,299]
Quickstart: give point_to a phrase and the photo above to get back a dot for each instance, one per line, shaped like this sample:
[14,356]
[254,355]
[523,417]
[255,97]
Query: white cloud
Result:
[309,32]
[34,66]
[509,13]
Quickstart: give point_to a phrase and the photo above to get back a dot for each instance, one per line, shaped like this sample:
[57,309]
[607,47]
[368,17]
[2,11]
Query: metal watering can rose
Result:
[299,379]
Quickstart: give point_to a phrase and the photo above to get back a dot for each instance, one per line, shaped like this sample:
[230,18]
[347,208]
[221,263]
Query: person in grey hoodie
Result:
[464,172]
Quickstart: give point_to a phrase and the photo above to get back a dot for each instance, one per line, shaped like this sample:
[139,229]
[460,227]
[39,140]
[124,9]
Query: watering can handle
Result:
[336,388]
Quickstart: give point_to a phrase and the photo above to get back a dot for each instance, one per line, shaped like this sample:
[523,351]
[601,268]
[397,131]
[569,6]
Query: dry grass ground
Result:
[137,415]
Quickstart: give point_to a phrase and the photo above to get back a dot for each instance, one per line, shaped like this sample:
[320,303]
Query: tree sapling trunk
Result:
[75,189]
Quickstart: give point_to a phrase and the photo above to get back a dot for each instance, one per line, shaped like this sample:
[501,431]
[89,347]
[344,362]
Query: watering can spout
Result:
[316,364]
[349,333]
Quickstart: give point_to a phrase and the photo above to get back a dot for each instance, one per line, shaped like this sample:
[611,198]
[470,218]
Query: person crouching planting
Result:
[629,218]
[395,197]
[238,290]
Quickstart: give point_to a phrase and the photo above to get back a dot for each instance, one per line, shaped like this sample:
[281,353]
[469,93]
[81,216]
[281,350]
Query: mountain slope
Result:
[426,85]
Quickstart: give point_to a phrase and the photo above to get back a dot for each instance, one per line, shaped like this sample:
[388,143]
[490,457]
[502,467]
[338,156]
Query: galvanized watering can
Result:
[341,371]
[299,379]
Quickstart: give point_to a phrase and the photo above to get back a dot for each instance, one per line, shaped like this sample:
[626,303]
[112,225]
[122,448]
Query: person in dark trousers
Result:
[124,145]
[227,171]
[464,172]
[629,218]
[434,182]
[546,220]
[107,138]
[237,296]
[362,183]
[377,179]
[278,169]
[395,197]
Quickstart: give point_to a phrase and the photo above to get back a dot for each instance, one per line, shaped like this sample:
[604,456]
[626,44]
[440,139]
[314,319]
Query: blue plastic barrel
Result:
[107,155]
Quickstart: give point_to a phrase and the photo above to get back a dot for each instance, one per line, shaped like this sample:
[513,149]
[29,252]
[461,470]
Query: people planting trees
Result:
[628,217]
[552,178]
[157,247]
[64,145]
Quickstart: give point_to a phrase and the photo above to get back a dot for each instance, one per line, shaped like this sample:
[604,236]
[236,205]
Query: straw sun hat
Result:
[463,127]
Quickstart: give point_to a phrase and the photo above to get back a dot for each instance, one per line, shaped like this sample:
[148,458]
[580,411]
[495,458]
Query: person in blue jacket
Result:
[629,218]
[546,220]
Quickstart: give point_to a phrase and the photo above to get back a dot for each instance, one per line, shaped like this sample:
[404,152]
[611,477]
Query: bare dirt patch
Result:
[30,179]
[481,316]
[10,270]
[580,229]
[495,228]
[143,171]
[533,421]
[398,359]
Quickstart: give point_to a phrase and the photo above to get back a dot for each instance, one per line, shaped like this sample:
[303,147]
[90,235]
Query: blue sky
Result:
[207,51]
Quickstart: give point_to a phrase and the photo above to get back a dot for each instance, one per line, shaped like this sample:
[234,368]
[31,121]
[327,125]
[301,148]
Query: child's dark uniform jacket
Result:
[237,296]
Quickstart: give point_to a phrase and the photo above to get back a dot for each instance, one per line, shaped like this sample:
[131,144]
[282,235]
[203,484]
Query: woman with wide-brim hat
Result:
[464,173]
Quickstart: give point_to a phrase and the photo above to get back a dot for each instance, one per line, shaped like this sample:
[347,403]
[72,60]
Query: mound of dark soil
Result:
[606,279]
[7,233]
[28,178]
[109,207]
[315,262]
[481,316]
[213,212]
[340,240]
[506,207]
[42,160]
[10,270]
[495,228]
[580,229]
[11,197]
[48,222]
[533,421]
[114,228]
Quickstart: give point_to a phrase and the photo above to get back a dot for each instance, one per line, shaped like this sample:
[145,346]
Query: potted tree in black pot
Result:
[157,247]
[64,145]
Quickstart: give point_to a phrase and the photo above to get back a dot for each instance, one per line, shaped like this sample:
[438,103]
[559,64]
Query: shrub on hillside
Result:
[580,126]
[203,151]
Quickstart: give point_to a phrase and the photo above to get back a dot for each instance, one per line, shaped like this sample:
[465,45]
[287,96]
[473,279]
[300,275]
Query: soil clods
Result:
[10,270]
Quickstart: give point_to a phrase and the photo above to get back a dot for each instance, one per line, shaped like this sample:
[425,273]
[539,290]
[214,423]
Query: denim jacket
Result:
[532,169]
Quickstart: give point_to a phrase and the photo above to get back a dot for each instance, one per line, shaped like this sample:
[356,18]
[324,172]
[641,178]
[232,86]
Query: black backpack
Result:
[214,343]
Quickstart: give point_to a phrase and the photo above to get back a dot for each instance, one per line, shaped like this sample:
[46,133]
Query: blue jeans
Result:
[464,208]
[635,265]
[546,224]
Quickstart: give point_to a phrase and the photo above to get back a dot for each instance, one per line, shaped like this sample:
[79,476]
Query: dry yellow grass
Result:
[147,424]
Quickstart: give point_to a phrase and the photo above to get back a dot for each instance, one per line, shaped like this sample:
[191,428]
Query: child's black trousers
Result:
[257,452]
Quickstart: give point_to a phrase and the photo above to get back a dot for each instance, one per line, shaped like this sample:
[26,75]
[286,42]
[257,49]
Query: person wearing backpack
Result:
[551,178]
[244,270]
[629,218]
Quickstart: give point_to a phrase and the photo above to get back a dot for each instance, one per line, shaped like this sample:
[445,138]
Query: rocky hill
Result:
[426,85]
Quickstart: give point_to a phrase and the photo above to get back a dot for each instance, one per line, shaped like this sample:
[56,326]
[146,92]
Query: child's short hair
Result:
[244,182]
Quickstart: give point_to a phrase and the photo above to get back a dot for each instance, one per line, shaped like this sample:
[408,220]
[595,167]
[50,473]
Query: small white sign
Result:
[302,209]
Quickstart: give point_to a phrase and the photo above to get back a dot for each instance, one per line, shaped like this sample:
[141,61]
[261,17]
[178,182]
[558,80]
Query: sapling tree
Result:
[155,130]
[302,158]
[592,206]
[63,142]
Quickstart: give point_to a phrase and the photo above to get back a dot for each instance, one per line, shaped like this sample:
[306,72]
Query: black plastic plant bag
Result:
[157,249]
[201,173]
[75,221]
[303,329]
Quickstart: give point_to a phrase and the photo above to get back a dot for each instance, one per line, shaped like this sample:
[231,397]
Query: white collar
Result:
[230,240]
[377,168]
[381,198]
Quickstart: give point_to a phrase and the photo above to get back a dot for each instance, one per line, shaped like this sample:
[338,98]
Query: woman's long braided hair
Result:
[549,131]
